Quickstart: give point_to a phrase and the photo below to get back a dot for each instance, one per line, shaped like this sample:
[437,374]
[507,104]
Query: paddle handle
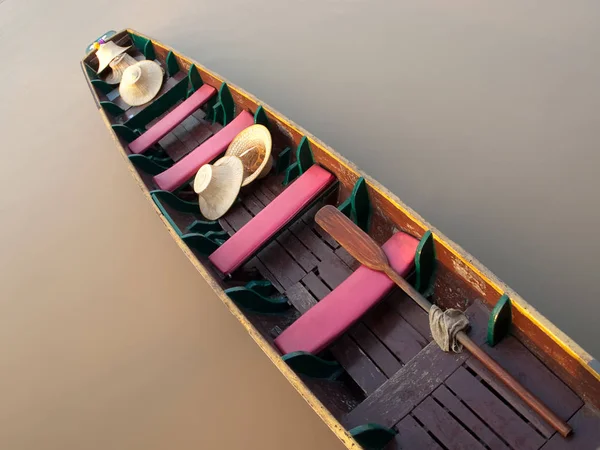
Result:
[531,400]
[406,287]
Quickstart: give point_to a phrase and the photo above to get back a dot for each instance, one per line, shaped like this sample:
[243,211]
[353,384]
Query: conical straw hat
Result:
[253,147]
[140,82]
[107,51]
[118,66]
[218,185]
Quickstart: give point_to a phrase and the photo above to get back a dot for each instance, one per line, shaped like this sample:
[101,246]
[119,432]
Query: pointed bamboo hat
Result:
[106,52]
[140,82]
[118,66]
[218,185]
[253,147]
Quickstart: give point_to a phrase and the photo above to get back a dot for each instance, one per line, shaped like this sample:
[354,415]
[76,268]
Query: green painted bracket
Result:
[500,321]
[104,37]
[200,243]
[195,79]
[166,161]
[125,132]
[175,202]
[304,155]
[146,164]
[260,117]
[144,45]
[217,235]
[291,173]
[425,265]
[261,287]
[305,363]
[372,436]
[102,86]
[253,301]
[357,207]
[160,105]
[224,108]
[283,160]
[203,226]
[172,64]
[91,73]
[304,159]
[111,108]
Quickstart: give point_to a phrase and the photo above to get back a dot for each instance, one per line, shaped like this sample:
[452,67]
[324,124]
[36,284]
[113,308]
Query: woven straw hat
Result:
[218,185]
[118,66]
[253,147]
[140,82]
[107,51]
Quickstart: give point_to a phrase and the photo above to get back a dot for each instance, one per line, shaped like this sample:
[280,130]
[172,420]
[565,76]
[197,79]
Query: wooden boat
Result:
[357,350]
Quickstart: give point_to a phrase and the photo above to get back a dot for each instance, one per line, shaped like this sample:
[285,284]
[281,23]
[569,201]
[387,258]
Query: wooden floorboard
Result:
[500,417]
[411,435]
[454,405]
[586,432]
[444,427]
[416,380]
[395,332]
[535,376]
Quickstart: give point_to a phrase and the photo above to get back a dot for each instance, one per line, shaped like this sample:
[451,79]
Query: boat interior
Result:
[364,349]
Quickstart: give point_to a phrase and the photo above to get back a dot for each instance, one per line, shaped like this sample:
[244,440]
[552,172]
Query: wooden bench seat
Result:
[173,119]
[183,170]
[333,315]
[252,236]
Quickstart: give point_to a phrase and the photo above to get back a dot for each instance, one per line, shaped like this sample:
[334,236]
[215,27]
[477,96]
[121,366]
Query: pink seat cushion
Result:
[243,244]
[168,123]
[327,320]
[187,167]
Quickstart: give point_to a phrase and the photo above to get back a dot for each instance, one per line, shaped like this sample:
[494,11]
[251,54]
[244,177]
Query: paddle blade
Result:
[356,242]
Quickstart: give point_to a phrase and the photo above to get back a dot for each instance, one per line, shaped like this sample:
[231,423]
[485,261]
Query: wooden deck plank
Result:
[252,203]
[510,397]
[333,271]
[280,263]
[373,347]
[325,236]
[348,259]
[173,147]
[407,388]
[186,137]
[319,248]
[395,332]
[586,435]
[470,420]
[416,380]
[360,367]
[413,313]
[535,376]
[299,252]
[444,427]
[199,130]
[503,420]
[412,436]
[315,285]
[300,298]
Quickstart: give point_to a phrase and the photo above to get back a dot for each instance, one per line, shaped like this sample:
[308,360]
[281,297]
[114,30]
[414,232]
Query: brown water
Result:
[483,118]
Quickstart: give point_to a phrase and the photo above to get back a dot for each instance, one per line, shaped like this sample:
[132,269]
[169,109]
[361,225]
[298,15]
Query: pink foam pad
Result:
[243,244]
[168,123]
[187,167]
[327,320]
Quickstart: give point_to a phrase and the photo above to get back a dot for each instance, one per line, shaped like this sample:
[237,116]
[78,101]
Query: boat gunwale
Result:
[472,272]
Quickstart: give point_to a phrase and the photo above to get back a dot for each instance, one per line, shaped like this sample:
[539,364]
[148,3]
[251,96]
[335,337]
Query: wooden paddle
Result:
[366,251]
